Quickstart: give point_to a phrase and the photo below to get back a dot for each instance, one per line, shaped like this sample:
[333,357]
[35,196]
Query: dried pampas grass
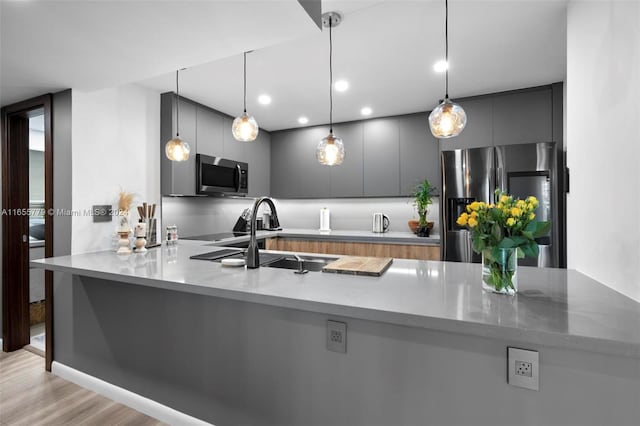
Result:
[125,200]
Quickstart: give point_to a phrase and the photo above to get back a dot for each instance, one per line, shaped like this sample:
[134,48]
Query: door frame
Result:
[15,321]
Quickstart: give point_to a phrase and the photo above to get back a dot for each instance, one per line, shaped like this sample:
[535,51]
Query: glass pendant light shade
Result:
[245,128]
[330,151]
[177,149]
[447,120]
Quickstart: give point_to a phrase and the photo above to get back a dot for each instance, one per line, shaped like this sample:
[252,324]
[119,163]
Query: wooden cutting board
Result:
[372,266]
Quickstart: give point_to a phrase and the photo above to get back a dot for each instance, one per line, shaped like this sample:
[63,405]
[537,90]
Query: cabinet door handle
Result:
[239,174]
[25,238]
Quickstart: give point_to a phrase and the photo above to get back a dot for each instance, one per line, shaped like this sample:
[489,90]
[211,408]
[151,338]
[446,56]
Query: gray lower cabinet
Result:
[523,117]
[419,153]
[381,157]
[347,179]
[178,178]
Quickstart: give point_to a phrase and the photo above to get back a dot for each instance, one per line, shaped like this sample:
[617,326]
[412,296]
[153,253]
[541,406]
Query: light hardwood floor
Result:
[31,396]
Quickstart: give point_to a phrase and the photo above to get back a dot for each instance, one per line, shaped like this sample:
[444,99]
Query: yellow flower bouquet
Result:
[502,233]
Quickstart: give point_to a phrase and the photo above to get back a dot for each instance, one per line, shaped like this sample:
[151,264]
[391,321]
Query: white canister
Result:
[325,219]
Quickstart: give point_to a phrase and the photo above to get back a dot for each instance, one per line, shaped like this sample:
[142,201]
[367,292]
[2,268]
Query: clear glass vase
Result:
[500,270]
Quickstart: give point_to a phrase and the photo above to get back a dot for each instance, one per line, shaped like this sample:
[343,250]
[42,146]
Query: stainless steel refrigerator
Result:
[520,170]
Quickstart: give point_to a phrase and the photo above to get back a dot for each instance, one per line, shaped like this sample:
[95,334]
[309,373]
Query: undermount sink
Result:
[310,263]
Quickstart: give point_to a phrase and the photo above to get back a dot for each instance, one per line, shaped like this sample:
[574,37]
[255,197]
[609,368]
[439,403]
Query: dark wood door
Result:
[15,224]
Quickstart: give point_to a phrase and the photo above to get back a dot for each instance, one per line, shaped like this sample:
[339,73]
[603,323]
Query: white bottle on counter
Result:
[325,220]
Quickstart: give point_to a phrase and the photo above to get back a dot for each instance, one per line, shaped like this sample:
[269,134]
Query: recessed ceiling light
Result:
[440,66]
[366,111]
[341,85]
[303,120]
[264,99]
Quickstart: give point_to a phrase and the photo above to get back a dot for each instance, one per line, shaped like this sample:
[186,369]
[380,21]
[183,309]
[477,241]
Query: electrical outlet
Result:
[523,368]
[337,336]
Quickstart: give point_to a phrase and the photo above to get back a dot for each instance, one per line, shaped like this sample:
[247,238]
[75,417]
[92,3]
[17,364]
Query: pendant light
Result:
[448,119]
[245,128]
[177,149]
[330,150]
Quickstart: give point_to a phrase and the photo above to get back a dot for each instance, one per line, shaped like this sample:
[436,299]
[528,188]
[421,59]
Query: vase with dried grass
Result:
[125,200]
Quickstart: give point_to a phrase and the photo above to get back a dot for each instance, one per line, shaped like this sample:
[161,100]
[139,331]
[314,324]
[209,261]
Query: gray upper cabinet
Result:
[387,157]
[479,130]
[419,153]
[233,149]
[347,179]
[523,117]
[178,177]
[381,157]
[259,153]
[295,172]
[209,132]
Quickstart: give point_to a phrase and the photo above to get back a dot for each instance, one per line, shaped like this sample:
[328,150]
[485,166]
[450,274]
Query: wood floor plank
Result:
[31,396]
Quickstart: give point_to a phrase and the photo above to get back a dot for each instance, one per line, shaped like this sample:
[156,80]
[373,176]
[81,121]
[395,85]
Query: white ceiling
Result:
[385,49]
[50,45]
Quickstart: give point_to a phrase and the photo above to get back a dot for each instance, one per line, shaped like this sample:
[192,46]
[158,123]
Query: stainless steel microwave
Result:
[215,175]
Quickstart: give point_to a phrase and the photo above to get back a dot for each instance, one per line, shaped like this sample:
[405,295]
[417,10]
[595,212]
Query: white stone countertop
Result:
[555,307]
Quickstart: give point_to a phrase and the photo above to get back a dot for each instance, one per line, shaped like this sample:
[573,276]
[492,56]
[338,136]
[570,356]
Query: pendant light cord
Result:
[446,47]
[177,105]
[330,79]
[245,82]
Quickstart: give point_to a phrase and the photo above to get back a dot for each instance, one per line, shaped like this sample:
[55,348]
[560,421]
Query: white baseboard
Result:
[137,402]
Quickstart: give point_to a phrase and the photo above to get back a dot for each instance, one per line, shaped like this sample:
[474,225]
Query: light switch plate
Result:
[523,368]
[102,213]
[337,336]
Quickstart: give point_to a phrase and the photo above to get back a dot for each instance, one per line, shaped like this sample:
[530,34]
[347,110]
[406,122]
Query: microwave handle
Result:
[238,175]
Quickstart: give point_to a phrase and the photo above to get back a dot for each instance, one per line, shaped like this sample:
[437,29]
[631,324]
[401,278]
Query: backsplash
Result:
[206,215]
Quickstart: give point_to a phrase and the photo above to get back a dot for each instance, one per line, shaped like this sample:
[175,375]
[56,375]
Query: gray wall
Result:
[233,363]
[62,172]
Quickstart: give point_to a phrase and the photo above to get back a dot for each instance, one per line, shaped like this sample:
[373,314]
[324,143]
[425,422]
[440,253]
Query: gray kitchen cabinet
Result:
[233,149]
[381,143]
[347,179]
[209,132]
[295,172]
[178,178]
[259,154]
[419,153]
[387,157]
[523,117]
[479,130]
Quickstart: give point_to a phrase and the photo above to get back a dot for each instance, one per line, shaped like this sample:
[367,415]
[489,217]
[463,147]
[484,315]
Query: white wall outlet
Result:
[337,336]
[523,368]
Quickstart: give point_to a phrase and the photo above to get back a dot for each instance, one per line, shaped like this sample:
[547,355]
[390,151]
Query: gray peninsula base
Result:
[232,362]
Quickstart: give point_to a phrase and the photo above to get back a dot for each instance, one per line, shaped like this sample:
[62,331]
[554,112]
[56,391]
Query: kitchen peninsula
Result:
[237,346]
